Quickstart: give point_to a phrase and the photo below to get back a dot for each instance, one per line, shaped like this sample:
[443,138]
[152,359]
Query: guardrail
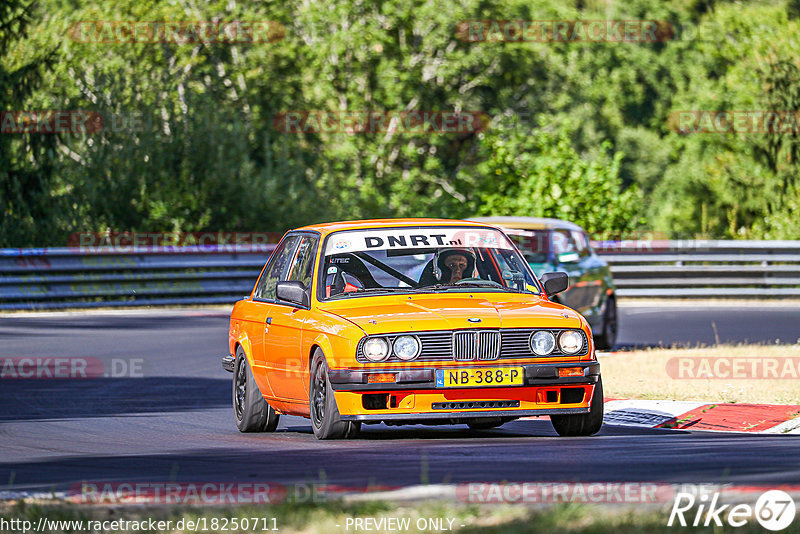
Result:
[705,269]
[72,277]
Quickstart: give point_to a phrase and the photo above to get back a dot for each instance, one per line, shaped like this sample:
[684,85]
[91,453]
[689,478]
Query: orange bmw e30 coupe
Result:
[409,321]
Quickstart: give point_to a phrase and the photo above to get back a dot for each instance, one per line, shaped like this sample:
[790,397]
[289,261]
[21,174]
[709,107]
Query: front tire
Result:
[250,410]
[584,424]
[322,405]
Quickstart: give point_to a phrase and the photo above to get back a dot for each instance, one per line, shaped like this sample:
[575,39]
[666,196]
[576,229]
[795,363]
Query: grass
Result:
[643,374]
[331,517]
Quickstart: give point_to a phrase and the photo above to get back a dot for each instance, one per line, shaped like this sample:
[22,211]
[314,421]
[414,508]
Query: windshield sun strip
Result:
[321,274]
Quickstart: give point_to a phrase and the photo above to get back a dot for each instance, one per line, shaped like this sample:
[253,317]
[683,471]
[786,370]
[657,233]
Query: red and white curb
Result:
[720,417]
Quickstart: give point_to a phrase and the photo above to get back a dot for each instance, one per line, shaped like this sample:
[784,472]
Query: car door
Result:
[601,277]
[567,259]
[287,365]
[263,304]
[591,266]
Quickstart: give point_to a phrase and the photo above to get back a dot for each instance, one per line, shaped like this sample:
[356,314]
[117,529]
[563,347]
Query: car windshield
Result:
[426,260]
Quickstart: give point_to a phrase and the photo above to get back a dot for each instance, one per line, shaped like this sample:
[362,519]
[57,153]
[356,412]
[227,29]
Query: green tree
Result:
[539,173]
[28,203]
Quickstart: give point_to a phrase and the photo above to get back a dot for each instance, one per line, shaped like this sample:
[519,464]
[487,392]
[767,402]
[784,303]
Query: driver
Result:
[455,265]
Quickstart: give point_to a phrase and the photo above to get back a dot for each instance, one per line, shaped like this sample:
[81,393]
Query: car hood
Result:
[410,313]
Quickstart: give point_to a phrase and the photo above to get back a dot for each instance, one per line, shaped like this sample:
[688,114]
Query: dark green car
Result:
[556,245]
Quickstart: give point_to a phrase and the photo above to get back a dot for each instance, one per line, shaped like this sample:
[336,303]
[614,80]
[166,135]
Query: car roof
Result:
[327,228]
[529,223]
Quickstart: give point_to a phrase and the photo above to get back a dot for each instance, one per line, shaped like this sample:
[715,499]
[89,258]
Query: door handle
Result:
[269,320]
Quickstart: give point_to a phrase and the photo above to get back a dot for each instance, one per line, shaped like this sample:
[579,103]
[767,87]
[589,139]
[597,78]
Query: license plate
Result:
[480,377]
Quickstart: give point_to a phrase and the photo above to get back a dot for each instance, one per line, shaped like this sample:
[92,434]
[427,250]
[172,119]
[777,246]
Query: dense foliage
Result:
[579,130]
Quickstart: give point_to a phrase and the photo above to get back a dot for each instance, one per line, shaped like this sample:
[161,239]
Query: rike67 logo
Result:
[774,510]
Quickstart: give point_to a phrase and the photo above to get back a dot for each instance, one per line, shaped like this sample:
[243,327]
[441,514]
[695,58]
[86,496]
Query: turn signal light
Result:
[570,371]
[380,378]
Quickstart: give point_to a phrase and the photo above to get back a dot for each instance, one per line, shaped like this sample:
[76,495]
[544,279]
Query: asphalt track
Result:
[174,423]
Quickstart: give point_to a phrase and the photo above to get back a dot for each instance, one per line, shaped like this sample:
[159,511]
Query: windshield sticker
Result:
[402,238]
[341,244]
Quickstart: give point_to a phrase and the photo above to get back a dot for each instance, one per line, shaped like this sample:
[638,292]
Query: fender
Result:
[244,341]
[324,343]
[338,339]
[238,334]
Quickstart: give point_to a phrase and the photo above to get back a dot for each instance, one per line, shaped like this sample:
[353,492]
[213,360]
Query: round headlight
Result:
[570,341]
[406,347]
[376,349]
[542,343]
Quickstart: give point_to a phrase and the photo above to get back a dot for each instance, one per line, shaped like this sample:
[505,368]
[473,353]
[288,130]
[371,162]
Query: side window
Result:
[563,242]
[506,263]
[582,244]
[280,259]
[302,268]
[589,248]
[534,244]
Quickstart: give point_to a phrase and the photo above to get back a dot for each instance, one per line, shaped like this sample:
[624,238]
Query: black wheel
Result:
[322,405]
[608,337]
[485,423]
[251,411]
[584,424]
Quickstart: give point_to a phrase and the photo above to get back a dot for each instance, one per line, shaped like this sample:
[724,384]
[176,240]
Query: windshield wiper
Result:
[487,284]
[369,290]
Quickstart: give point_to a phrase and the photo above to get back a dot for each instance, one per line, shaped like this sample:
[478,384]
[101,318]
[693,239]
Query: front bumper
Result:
[414,396]
[542,374]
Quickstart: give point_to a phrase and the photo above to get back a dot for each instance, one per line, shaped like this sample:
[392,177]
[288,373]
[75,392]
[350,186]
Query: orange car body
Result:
[280,338]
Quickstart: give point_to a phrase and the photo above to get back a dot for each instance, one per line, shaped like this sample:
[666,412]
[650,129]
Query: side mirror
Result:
[568,257]
[555,283]
[294,292]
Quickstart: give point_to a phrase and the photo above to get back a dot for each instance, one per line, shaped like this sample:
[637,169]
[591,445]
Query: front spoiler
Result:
[411,417]
[227,362]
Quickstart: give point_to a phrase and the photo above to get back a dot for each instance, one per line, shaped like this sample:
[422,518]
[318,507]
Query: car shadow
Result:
[520,429]
[49,399]
[20,326]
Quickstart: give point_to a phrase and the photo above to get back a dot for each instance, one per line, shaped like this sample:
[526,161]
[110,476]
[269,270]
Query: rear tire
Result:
[323,411]
[250,410]
[608,335]
[584,424]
